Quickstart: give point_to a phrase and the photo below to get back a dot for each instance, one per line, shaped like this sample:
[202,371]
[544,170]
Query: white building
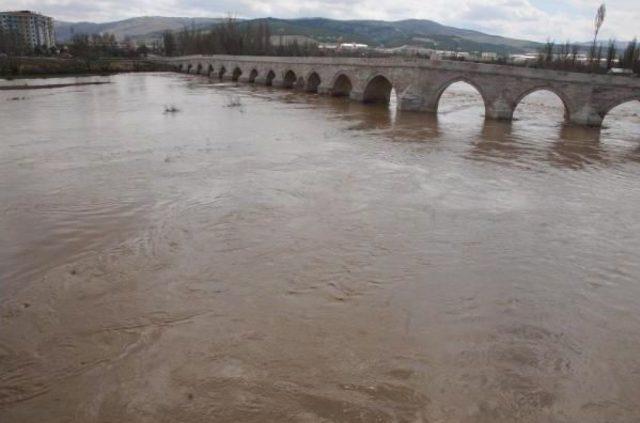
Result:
[523,58]
[489,55]
[353,46]
[289,40]
[33,29]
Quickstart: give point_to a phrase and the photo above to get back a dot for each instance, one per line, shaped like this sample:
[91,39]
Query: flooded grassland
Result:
[260,255]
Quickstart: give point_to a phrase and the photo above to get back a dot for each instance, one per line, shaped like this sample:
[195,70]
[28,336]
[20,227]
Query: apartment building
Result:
[31,28]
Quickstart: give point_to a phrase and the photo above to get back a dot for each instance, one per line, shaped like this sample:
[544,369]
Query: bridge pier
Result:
[588,116]
[499,109]
[357,96]
[324,89]
[411,102]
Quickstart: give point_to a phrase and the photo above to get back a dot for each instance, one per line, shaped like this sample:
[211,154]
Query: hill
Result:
[414,32]
[136,28]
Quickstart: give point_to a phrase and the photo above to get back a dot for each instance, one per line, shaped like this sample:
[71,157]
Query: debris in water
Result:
[170,109]
[233,101]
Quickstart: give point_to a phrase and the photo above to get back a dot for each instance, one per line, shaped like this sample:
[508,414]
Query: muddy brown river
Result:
[263,255]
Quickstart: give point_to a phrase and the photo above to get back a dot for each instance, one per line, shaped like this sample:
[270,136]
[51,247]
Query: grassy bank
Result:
[14,67]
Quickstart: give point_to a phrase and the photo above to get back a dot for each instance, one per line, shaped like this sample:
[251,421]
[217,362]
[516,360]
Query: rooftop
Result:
[21,12]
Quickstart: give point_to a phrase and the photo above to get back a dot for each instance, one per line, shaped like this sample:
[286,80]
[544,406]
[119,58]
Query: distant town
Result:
[27,33]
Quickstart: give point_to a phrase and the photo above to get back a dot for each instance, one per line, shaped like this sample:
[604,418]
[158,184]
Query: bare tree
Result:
[169,41]
[599,20]
[611,54]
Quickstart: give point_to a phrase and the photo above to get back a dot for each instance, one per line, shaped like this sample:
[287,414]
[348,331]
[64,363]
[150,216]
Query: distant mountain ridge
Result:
[413,32]
[136,28]
[416,32]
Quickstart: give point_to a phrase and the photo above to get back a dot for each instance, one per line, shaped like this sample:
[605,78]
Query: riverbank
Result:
[48,86]
[13,67]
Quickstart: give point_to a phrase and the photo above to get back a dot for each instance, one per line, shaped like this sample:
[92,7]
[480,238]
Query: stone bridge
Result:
[419,83]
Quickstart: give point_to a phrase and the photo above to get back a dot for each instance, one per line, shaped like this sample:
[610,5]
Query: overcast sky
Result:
[530,19]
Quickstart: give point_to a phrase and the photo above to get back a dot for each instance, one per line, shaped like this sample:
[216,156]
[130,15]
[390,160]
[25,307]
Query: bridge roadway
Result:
[419,83]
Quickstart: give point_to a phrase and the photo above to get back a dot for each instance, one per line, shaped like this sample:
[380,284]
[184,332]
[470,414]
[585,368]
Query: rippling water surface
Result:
[269,256]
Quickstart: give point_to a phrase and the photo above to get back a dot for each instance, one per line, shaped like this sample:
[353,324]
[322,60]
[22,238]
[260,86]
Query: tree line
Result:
[600,58]
[13,45]
[8,43]
[105,45]
[81,45]
[233,37]
[630,58]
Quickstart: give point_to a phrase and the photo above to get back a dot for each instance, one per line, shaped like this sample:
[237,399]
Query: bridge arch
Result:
[221,72]
[237,72]
[253,75]
[268,81]
[199,68]
[313,82]
[620,102]
[377,90]
[442,88]
[210,70]
[189,66]
[621,110]
[271,75]
[544,88]
[289,80]
[341,86]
